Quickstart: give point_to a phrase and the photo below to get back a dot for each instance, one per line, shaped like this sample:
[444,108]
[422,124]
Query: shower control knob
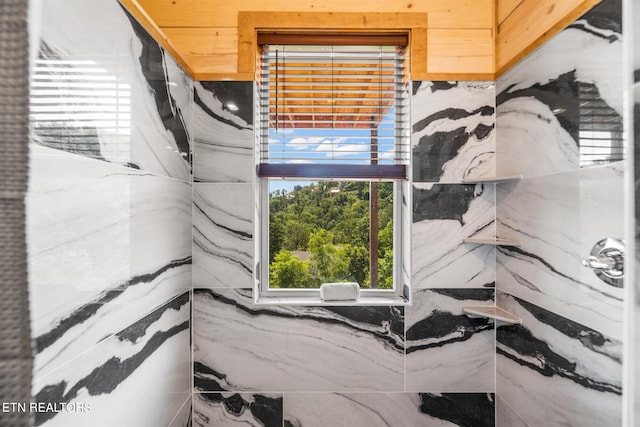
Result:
[607,261]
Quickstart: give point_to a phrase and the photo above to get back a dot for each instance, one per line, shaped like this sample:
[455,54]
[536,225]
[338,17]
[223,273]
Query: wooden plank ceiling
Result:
[465,39]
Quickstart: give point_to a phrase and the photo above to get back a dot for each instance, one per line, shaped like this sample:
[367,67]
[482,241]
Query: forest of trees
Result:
[319,232]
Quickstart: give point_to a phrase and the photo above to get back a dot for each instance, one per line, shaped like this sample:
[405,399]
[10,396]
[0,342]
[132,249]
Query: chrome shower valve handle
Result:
[607,261]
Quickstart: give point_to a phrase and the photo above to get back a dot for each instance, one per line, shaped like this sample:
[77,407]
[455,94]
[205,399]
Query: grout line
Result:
[179,410]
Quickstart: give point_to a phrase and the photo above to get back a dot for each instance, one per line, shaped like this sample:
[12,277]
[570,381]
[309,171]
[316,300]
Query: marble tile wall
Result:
[109,220]
[109,376]
[299,348]
[222,235]
[223,138]
[443,215]
[221,409]
[348,409]
[105,243]
[552,104]
[453,130]
[118,96]
[386,409]
[558,218]
[554,371]
[559,121]
[447,351]
[251,361]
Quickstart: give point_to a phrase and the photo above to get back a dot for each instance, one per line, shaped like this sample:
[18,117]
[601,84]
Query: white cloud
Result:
[340,147]
[305,143]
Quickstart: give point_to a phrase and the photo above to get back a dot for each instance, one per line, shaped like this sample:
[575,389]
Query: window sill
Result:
[317,301]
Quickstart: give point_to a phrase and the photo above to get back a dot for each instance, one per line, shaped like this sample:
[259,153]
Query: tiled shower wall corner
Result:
[559,121]
[426,364]
[113,223]
[109,221]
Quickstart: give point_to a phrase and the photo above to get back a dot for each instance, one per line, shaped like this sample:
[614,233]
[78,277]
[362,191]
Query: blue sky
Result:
[340,145]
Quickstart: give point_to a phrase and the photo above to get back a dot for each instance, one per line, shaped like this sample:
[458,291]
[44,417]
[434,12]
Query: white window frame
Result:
[400,294]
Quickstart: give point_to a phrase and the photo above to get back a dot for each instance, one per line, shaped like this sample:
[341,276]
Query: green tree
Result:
[296,237]
[328,261]
[330,220]
[287,271]
[358,263]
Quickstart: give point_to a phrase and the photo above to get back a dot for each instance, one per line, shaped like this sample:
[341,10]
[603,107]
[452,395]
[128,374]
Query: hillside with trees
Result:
[319,232]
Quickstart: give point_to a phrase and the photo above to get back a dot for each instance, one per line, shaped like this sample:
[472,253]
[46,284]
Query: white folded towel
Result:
[339,291]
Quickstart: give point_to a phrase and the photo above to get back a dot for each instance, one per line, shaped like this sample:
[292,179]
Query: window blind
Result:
[333,111]
[81,107]
[600,128]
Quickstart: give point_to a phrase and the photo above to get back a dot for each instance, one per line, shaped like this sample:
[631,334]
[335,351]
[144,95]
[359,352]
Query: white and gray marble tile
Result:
[223,138]
[222,235]
[453,130]
[443,215]
[446,350]
[389,409]
[239,346]
[553,371]
[137,377]
[234,409]
[506,416]
[105,243]
[558,218]
[551,105]
[103,88]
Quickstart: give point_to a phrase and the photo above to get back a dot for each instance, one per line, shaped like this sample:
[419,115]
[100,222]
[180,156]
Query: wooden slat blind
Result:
[339,106]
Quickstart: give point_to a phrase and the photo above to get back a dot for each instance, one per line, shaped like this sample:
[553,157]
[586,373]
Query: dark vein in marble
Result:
[443,201]
[240,234]
[239,93]
[415,86]
[202,380]
[220,255]
[516,252]
[199,102]
[435,85]
[452,114]
[139,329]
[87,310]
[548,363]
[611,38]
[388,321]
[264,409]
[369,409]
[560,95]
[443,85]
[479,161]
[444,328]
[590,338]
[433,151]
[466,294]
[606,15]
[153,69]
[105,378]
[462,409]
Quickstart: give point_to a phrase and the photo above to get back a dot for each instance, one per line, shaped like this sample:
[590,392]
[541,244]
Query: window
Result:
[332,152]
